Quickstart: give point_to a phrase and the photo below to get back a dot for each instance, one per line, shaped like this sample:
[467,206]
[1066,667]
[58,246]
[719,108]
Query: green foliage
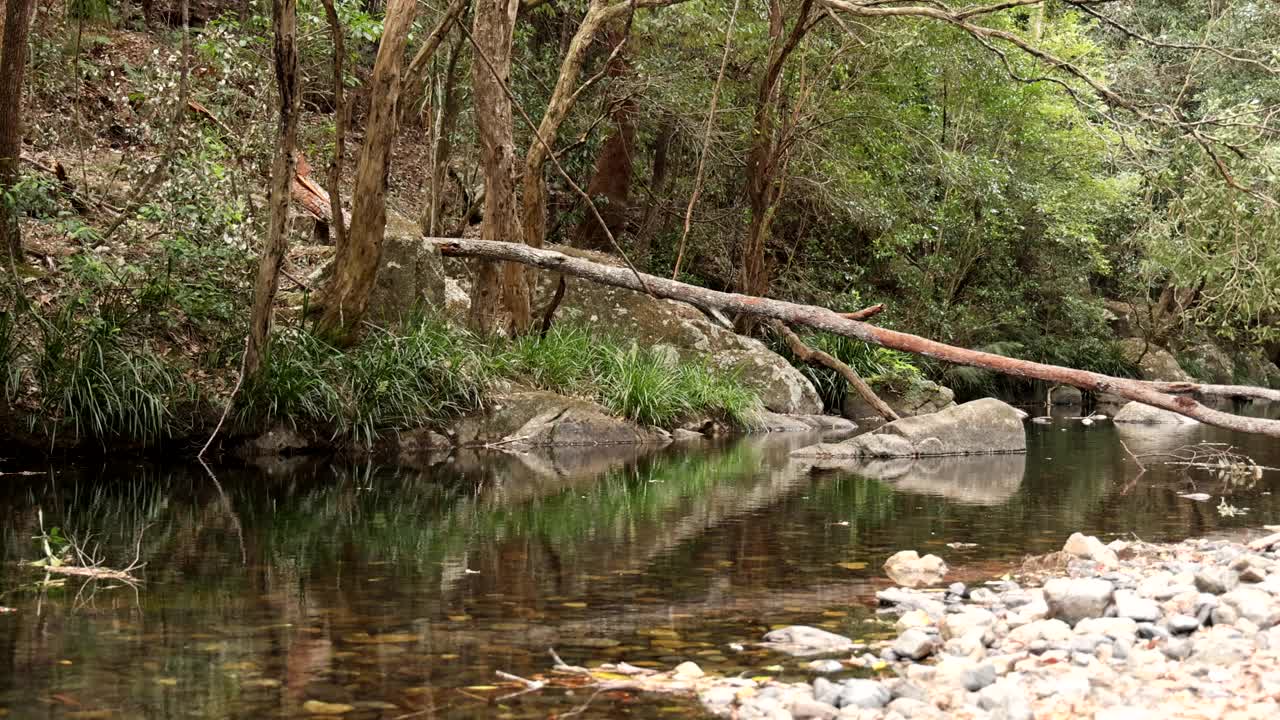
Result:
[100,388]
[644,385]
[422,377]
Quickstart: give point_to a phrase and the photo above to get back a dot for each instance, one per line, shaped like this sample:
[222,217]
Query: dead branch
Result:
[865,313]
[824,319]
[804,353]
[1238,391]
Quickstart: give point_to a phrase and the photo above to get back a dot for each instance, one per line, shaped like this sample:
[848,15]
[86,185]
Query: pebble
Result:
[1217,580]
[1074,599]
[861,693]
[1183,624]
[1130,605]
[916,644]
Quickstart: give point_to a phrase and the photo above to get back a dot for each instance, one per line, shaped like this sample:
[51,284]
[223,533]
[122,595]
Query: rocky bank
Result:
[1124,631]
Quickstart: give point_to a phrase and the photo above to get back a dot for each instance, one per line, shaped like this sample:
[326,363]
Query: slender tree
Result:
[356,261]
[13,66]
[285,53]
[766,160]
[491,34]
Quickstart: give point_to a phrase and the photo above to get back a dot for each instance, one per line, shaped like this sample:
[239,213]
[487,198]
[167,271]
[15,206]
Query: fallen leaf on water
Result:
[961,546]
[852,565]
[315,707]
[1198,497]
[573,605]
[167,681]
[481,688]
[380,639]
[773,668]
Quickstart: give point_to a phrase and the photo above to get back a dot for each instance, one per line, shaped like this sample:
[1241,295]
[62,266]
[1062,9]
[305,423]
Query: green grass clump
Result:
[102,388]
[643,385]
[421,376]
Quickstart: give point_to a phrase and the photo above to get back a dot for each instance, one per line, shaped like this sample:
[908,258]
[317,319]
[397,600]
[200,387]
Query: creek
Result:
[399,589]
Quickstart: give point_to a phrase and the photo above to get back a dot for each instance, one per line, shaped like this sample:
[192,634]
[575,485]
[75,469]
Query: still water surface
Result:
[399,590]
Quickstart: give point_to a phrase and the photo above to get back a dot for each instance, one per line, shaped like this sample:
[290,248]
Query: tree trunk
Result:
[356,263]
[657,186]
[491,33]
[611,179]
[442,149]
[13,67]
[415,75]
[339,128]
[840,324]
[765,159]
[284,21]
[563,98]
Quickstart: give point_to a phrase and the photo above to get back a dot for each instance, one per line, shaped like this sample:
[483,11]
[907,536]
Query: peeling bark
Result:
[284,19]
[356,262]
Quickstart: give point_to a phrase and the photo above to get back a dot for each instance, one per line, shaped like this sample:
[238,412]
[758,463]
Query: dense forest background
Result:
[1018,177]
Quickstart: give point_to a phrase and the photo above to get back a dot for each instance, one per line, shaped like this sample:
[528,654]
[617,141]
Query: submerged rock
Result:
[971,480]
[908,569]
[974,428]
[805,640]
[1135,413]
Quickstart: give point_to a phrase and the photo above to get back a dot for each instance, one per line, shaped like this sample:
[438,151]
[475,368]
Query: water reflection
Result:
[395,588]
[967,480]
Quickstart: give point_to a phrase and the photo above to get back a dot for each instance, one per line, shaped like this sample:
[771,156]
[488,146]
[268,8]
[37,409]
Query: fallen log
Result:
[307,193]
[817,357]
[1229,391]
[824,319]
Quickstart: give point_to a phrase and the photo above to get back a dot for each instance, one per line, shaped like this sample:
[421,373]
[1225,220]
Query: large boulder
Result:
[692,335]
[1213,364]
[539,418]
[1153,361]
[1136,413]
[974,428]
[921,398]
[411,275]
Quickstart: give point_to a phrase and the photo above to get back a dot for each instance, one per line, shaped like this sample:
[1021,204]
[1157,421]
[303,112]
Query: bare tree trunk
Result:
[13,68]
[611,178]
[657,187]
[284,19]
[356,263]
[491,33]
[765,159]
[339,128]
[706,140]
[824,319]
[563,98]
[442,149]
[415,75]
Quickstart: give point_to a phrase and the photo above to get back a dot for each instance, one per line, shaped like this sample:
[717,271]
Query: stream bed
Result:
[399,589]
